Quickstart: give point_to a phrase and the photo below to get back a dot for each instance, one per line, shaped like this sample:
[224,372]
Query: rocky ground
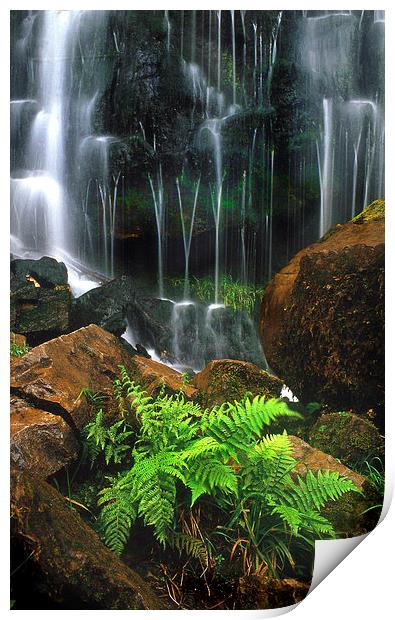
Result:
[322,331]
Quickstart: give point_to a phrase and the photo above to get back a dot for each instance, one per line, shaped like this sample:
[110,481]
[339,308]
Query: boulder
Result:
[40,299]
[322,317]
[352,514]
[228,380]
[64,560]
[41,442]
[51,376]
[105,306]
[47,271]
[153,375]
[150,319]
[118,303]
[260,592]
[348,437]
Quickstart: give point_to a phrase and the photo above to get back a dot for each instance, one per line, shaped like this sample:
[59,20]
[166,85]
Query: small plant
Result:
[375,474]
[183,453]
[233,293]
[16,350]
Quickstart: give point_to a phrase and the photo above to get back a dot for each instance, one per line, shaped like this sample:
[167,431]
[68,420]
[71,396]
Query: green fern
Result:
[223,454]
[193,547]
[112,441]
[237,426]
[118,513]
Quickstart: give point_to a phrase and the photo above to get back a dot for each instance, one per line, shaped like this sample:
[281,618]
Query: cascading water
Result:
[62,156]
[168,140]
[351,142]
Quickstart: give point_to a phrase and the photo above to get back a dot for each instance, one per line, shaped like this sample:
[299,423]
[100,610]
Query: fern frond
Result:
[117,515]
[314,491]
[211,475]
[238,426]
[268,465]
[193,547]
[155,488]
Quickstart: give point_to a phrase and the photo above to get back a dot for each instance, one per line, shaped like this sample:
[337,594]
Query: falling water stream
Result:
[242,208]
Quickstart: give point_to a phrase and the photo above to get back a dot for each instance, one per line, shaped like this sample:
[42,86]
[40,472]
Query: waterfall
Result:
[158,199]
[351,144]
[232,13]
[187,234]
[326,169]
[61,150]
[168,29]
[273,51]
[170,141]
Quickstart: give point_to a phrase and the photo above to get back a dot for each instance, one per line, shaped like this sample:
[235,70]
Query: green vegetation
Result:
[183,455]
[374,211]
[375,474]
[233,293]
[16,350]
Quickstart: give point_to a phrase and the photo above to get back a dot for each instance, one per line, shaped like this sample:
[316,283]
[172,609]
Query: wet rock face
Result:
[105,306]
[348,437]
[228,380]
[322,319]
[349,515]
[51,376]
[41,442]
[68,562]
[153,375]
[47,271]
[40,299]
[47,411]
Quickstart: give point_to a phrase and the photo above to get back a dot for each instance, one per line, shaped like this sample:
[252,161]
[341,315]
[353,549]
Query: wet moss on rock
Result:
[229,380]
[375,211]
[348,437]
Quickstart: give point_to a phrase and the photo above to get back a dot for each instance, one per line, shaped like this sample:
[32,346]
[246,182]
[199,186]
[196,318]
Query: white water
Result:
[325,165]
[158,199]
[187,232]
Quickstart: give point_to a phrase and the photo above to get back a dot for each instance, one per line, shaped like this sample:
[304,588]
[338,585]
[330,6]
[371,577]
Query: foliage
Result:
[183,453]
[375,475]
[16,350]
[234,293]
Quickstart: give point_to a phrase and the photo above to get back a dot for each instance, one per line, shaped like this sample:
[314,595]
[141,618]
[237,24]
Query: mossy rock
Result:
[229,380]
[354,513]
[375,211]
[348,437]
[322,319]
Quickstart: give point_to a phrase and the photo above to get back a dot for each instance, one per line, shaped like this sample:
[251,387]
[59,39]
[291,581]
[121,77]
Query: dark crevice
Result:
[47,406]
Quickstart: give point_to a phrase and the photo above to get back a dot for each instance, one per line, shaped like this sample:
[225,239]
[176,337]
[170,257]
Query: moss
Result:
[375,211]
[229,380]
[348,437]
[354,514]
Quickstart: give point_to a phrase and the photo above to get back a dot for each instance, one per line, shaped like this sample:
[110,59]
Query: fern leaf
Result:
[193,547]
[117,515]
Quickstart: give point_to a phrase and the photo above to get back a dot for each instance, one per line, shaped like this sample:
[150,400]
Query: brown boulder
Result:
[67,561]
[322,317]
[152,375]
[229,380]
[51,376]
[41,442]
[348,514]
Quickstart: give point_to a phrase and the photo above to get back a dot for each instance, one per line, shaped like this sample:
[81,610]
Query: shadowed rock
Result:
[68,562]
[322,318]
